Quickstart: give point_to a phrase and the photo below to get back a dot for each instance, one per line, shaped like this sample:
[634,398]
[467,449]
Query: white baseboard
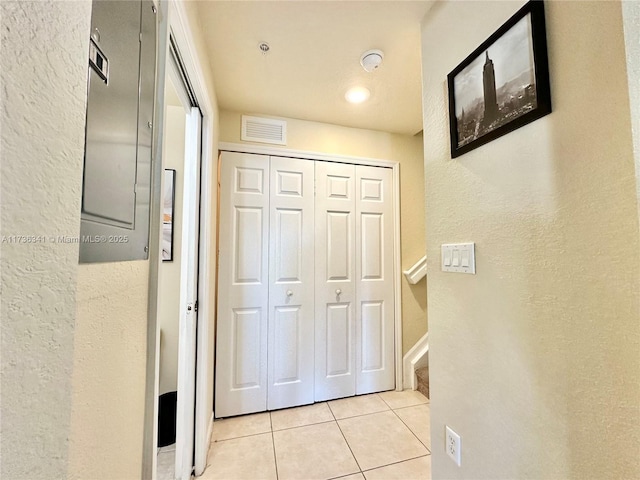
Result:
[415,358]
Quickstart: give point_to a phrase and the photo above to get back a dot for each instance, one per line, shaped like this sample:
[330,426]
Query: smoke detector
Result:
[371,60]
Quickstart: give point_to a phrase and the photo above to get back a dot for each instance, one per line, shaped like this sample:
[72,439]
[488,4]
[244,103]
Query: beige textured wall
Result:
[169,287]
[412,239]
[41,191]
[109,371]
[631,18]
[534,361]
[334,139]
[73,372]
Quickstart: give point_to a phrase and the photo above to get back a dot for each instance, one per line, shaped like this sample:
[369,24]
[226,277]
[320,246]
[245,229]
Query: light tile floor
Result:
[381,436]
[166,462]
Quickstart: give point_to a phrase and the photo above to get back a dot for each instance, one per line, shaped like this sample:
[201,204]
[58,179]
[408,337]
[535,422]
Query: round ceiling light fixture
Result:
[371,60]
[357,94]
[264,47]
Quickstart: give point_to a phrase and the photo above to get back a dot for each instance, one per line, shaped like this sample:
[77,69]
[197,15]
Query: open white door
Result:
[188,298]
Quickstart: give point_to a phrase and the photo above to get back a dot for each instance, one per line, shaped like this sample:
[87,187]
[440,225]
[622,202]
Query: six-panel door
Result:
[335,281]
[291,253]
[243,285]
[374,273]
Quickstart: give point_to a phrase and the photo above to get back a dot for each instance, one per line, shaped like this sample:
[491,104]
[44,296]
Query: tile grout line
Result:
[298,426]
[362,414]
[360,470]
[395,463]
[405,406]
[412,432]
[346,441]
[385,402]
[271,431]
[273,443]
[314,423]
[345,476]
[411,406]
[305,425]
[239,436]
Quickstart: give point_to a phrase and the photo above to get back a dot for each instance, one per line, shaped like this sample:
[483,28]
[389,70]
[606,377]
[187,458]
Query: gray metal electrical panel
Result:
[117,165]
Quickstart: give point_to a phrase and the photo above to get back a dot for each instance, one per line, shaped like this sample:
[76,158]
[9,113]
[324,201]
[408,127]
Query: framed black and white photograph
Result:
[503,84]
[168,205]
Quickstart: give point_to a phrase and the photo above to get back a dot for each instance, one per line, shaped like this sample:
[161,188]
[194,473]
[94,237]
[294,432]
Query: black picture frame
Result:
[516,101]
[168,214]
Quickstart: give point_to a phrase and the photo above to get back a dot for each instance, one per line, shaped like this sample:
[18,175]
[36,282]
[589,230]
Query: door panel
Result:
[247,251]
[372,336]
[286,354]
[243,285]
[339,340]
[249,180]
[185,419]
[289,245]
[335,283]
[375,286]
[291,296]
[372,235]
[246,337]
[339,234]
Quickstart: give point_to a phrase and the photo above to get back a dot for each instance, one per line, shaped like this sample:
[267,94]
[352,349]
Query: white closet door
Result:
[335,281]
[291,295]
[243,285]
[375,287]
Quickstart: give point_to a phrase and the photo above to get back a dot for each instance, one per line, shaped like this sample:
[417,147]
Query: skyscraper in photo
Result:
[490,100]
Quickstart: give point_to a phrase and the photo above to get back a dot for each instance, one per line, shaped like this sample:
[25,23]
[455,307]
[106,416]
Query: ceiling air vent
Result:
[264,130]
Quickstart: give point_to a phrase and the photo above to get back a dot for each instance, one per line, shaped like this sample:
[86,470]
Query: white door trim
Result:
[306,154]
[397,278]
[178,24]
[185,427]
[183,36]
[395,166]
[152,381]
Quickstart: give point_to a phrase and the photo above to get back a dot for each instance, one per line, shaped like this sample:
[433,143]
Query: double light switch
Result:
[459,257]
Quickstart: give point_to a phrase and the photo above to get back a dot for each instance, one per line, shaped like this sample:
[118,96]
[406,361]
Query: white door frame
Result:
[178,25]
[185,421]
[397,267]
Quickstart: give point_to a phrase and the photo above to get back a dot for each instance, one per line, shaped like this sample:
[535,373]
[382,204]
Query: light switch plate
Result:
[459,257]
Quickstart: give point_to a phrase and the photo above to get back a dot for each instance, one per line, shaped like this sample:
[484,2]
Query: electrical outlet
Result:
[452,444]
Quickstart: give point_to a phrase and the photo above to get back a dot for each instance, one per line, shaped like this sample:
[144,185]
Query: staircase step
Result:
[423,380]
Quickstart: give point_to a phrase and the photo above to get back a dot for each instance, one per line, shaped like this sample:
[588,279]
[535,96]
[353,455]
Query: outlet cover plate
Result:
[452,444]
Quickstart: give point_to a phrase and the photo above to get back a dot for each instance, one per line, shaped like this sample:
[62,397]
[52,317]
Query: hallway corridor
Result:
[377,436]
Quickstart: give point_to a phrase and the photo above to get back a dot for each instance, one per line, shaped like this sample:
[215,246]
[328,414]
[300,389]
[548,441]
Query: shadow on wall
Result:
[414,313]
[419,294]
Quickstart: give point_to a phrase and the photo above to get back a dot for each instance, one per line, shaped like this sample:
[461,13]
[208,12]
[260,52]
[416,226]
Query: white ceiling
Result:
[315,58]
